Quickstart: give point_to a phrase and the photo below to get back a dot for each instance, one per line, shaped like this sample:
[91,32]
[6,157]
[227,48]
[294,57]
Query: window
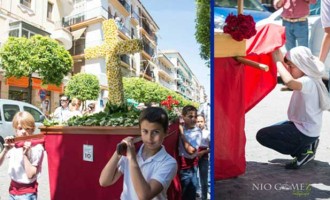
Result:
[14,33]
[49,11]
[25,33]
[35,113]
[9,111]
[26,3]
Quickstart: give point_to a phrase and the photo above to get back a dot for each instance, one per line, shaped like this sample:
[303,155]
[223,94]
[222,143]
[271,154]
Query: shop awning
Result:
[36,84]
[78,33]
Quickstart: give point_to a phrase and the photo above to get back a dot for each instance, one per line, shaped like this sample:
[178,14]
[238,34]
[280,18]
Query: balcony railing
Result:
[84,16]
[165,69]
[135,15]
[146,27]
[126,5]
[147,48]
[125,31]
[166,84]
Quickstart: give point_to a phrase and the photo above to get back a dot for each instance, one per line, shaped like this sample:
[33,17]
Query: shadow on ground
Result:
[271,181]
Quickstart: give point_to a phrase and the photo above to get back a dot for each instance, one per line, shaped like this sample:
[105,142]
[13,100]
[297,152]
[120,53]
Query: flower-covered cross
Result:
[169,102]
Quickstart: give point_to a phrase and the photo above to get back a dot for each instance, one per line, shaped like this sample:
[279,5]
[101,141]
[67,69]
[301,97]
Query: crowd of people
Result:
[68,109]
[147,171]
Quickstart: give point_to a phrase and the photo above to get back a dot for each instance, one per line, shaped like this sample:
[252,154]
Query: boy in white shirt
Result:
[147,174]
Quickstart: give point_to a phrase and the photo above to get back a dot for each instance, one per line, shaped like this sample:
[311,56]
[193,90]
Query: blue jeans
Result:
[285,138]
[23,197]
[296,32]
[188,179]
[203,165]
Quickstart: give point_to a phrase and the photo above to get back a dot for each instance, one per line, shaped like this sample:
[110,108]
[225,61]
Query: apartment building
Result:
[133,22]
[77,25]
[25,18]
[185,82]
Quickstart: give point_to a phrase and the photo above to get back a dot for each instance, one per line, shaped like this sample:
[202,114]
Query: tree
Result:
[83,86]
[202,33]
[20,57]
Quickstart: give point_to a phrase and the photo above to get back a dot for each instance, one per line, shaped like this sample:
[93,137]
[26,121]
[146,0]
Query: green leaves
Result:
[203,22]
[83,86]
[22,57]
[145,91]
[113,116]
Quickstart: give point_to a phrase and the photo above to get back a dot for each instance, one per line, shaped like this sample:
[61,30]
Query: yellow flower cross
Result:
[112,48]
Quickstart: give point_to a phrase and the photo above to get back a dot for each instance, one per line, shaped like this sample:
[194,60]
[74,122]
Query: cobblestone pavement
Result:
[43,189]
[265,176]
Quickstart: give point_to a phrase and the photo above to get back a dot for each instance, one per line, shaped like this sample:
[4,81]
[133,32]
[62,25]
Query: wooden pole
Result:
[240,6]
[252,63]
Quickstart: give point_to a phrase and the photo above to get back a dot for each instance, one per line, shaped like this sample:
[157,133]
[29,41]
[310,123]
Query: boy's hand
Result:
[130,153]
[9,142]
[26,147]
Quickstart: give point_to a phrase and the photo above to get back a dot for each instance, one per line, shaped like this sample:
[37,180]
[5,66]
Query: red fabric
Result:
[20,188]
[236,90]
[34,142]
[186,163]
[72,178]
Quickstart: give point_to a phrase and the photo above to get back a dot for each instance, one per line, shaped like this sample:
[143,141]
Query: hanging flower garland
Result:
[240,27]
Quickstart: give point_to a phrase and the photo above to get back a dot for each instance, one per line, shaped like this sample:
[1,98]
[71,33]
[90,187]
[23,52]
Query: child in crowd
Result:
[298,137]
[149,172]
[203,155]
[24,162]
[189,142]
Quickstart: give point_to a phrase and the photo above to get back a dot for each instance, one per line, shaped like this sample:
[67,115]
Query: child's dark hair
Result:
[187,109]
[154,115]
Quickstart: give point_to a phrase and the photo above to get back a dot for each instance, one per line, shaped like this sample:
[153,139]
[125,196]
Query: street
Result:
[265,176]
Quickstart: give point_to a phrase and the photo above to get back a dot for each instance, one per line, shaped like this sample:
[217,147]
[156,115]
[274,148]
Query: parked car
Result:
[222,8]
[8,109]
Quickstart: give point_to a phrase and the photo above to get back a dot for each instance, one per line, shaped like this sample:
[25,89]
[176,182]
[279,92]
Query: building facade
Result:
[77,25]
[25,18]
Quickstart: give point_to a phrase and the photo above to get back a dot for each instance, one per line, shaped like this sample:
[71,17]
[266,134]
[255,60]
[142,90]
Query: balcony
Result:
[85,18]
[135,18]
[124,32]
[147,49]
[63,36]
[122,6]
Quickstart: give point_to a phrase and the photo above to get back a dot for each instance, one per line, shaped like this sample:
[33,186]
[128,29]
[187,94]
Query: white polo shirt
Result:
[16,168]
[161,167]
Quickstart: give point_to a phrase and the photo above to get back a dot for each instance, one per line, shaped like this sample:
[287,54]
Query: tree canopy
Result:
[39,54]
[83,86]
[203,22]
[20,57]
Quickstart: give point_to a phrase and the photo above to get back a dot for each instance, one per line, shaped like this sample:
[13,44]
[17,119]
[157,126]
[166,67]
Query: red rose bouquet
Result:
[240,27]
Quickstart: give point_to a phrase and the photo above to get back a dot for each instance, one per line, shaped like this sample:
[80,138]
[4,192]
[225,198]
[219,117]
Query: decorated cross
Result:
[112,48]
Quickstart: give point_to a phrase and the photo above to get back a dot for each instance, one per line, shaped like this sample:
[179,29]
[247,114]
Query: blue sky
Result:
[176,21]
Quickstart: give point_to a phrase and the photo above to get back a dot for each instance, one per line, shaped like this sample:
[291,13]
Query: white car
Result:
[8,108]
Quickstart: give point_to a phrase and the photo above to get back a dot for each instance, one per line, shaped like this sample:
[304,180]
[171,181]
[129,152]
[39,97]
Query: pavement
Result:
[265,176]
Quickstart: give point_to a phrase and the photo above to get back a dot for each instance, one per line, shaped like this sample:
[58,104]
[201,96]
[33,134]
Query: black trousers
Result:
[285,138]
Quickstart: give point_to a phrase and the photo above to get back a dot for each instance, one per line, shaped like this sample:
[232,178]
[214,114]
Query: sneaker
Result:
[315,144]
[301,160]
